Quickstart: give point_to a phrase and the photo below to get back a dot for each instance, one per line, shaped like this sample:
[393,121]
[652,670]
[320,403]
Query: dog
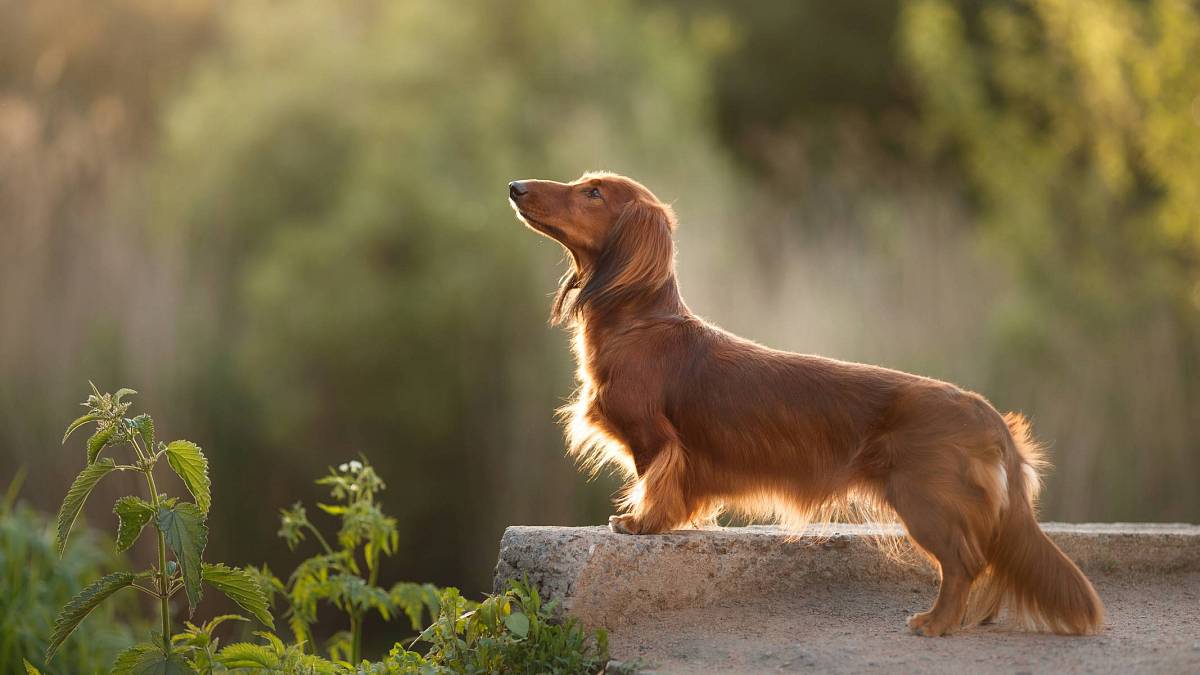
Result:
[700,420]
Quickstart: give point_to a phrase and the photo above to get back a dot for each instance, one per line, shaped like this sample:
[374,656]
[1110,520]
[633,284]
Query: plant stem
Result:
[355,638]
[164,582]
[145,590]
[317,533]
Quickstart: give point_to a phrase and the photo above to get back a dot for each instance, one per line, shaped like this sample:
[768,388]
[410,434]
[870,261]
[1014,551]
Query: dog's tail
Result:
[1027,573]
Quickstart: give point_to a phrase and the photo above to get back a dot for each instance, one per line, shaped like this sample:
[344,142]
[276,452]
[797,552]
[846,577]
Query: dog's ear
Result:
[561,307]
[638,257]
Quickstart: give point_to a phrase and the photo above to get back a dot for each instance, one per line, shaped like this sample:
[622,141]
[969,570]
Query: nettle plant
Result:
[181,531]
[346,577]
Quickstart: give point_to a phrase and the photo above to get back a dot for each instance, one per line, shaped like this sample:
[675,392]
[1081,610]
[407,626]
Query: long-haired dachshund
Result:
[701,420]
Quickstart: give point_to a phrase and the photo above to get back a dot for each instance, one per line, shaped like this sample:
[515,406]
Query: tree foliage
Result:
[1075,129]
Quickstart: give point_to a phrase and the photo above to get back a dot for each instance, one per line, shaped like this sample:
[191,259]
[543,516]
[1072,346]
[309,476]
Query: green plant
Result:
[272,656]
[180,527]
[335,576]
[510,632]
[35,582]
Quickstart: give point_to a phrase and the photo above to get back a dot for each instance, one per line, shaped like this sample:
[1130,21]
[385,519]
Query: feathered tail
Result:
[1027,573]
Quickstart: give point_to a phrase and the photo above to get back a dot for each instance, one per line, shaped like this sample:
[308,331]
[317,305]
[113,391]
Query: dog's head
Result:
[617,232]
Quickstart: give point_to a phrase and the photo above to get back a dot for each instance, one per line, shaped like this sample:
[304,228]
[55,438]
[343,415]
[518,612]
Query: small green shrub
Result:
[510,632]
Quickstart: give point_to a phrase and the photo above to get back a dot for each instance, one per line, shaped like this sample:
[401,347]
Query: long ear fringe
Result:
[639,257]
[562,306]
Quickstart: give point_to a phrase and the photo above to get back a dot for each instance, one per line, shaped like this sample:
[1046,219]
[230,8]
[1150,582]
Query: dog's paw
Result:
[625,524]
[925,626]
[918,623]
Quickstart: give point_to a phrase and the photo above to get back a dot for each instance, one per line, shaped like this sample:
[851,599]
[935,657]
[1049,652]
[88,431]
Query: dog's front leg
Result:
[624,524]
[657,502]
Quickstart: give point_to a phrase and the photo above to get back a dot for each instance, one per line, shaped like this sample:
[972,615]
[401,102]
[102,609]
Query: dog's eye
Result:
[594,193]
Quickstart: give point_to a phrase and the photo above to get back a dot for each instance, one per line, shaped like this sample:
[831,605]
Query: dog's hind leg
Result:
[946,514]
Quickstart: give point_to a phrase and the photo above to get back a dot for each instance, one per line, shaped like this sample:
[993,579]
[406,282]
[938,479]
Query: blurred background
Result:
[285,224]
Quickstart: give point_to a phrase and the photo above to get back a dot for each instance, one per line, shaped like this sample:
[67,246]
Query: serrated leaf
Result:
[184,529]
[212,623]
[241,587]
[98,442]
[132,515]
[79,421]
[276,643]
[143,426]
[82,604]
[247,655]
[149,659]
[127,659]
[188,461]
[300,629]
[121,393]
[76,496]
[518,623]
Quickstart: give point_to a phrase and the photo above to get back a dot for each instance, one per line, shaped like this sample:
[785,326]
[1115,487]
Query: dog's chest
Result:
[620,389]
[604,367]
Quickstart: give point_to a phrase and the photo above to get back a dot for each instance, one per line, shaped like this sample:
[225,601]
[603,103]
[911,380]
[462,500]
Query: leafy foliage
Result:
[274,656]
[510,632]
[1073,126]
[146,658]
[76,496]
[79,421]
[182,525]
[337,577]
[133,513]
[129,659]
[187,461]
[240,586]
[99,440]
[181,529]
[35,581]
[199,643]
[143,426]
[82,604]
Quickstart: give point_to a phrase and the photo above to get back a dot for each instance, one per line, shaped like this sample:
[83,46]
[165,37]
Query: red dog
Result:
[701,420]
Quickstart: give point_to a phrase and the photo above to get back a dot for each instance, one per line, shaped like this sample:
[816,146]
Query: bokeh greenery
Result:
[35,581]
[286,222]
[1077,128]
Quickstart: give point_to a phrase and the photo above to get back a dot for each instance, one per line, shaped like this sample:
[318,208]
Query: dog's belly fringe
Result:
[594,450]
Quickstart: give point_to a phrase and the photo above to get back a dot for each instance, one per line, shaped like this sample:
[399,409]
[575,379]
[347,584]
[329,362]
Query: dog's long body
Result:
[702,420]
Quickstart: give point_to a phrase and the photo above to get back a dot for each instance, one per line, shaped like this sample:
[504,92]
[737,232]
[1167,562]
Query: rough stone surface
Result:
[759,599]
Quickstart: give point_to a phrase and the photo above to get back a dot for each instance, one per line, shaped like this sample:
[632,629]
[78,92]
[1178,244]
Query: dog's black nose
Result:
[517,189]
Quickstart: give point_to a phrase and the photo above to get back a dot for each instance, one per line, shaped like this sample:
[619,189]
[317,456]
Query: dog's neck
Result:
[662,303]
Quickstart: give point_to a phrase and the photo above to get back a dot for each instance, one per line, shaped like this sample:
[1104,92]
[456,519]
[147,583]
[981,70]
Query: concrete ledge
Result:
[605,578]
[758,599]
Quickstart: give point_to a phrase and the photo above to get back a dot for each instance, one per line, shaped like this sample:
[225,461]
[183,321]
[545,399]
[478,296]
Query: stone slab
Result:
[761,599]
